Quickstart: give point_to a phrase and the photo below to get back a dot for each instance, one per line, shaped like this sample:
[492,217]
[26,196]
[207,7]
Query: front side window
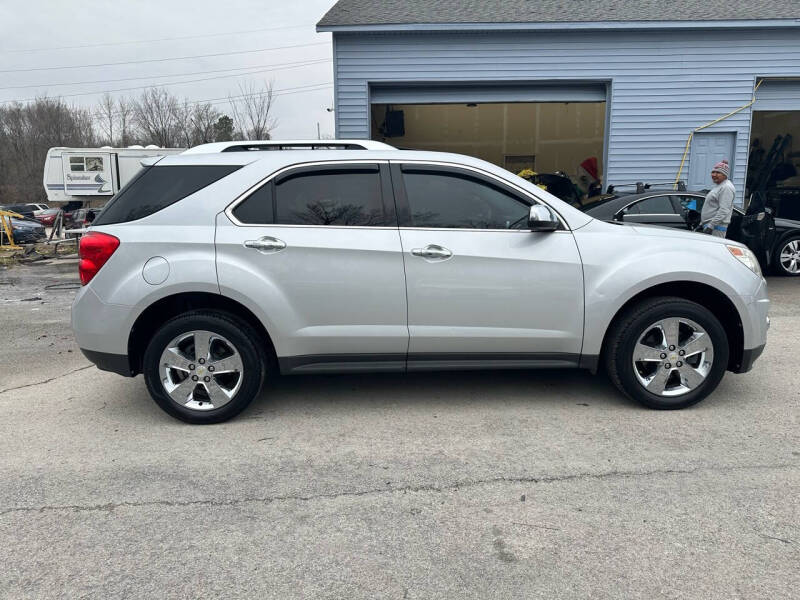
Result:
[450,199]
[335,196]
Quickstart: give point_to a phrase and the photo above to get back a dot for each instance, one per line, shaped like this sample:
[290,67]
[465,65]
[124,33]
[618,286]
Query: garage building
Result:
[610,89]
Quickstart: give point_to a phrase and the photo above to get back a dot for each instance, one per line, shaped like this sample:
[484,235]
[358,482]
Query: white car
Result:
[218,269]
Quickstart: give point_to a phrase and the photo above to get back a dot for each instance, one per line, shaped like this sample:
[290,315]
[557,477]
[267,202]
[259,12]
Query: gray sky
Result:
[44,26]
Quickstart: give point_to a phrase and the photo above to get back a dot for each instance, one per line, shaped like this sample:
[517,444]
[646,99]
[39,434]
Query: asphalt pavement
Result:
[542,484]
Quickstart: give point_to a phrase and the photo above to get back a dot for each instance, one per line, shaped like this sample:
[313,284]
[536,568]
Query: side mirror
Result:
[619,216]
[541,218]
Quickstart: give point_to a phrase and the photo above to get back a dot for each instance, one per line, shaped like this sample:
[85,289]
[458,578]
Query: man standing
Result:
[718,205]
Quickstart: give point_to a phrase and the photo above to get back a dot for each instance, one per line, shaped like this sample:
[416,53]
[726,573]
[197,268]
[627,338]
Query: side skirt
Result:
[398,363]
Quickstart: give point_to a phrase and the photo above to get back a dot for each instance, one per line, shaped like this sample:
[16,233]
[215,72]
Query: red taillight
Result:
[95,249]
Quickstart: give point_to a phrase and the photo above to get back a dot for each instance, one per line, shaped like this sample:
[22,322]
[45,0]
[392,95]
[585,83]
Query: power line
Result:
[171,83]
[48,85]
[282,92]
[286,92]
[169,39]
[152,60]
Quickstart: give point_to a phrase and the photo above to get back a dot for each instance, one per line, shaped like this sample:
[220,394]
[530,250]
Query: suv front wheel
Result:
[203,367]
[667,353]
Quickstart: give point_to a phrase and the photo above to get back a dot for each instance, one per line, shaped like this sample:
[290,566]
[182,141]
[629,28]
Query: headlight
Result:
[746,257]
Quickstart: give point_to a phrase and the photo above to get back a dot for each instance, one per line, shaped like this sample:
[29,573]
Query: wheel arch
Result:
[164,309]
[783,238]
[706,295]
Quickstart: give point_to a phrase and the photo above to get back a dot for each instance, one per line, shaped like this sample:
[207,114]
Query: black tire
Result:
[777,266]
[625,334]
[238,333]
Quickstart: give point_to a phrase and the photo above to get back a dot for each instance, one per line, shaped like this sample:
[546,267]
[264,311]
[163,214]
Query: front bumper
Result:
[757,325]
[748,358]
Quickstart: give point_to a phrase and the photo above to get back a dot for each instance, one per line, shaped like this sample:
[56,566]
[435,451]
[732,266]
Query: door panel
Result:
[499,292]
[708,148]
[331,291]
[482,289]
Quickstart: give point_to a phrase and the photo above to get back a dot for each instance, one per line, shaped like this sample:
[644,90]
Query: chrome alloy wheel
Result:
[790,257]
[673,357]
[201,370]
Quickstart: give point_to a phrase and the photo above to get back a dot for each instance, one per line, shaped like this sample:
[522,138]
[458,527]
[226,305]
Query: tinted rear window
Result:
[155,188]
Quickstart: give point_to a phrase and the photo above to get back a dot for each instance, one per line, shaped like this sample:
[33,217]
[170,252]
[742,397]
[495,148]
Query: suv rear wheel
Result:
[667,353]
[203,367]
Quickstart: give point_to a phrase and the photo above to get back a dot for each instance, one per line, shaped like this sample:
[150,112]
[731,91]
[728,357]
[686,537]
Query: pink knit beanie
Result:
[722,167]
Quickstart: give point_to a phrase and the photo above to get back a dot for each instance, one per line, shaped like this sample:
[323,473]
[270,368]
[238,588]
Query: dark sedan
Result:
[775,241]
[25,231]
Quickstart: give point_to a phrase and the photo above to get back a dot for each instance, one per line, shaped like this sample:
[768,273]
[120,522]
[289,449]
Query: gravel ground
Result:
[542,484]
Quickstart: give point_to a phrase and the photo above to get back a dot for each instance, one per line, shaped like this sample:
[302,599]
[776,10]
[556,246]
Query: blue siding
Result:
[663,83]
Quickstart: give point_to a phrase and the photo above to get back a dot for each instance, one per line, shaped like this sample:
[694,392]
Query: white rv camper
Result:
[92,175]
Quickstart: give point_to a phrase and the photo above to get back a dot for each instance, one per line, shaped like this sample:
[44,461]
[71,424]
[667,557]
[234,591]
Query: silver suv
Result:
[227,265]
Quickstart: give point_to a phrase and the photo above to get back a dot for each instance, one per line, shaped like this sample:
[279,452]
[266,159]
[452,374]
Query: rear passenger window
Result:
[157,187]
[340,196]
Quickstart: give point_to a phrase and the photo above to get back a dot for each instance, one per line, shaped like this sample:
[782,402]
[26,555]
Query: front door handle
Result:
[266,244]
[432,251]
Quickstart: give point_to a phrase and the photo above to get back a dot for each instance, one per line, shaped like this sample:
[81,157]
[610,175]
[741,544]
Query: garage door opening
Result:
[565,138]
[773,167]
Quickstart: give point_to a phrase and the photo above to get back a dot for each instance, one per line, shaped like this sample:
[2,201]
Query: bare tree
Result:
[156,115]
[27,131]
[204,117]
[183,122]
[251,110]
[125,113]
[106,118]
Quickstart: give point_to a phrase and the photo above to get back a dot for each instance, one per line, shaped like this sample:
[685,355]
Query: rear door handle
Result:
[432,251]
[266,244]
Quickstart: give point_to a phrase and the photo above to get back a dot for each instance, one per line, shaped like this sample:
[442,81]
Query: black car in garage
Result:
[776,241]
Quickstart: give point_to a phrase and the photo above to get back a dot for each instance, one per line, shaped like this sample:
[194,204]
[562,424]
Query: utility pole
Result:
[318,135]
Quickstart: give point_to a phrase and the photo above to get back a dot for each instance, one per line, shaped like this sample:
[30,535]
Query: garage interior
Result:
[773,167]
[546,137]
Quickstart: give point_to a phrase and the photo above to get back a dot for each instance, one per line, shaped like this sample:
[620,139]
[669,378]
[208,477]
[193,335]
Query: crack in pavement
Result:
[110,506]
[19,387]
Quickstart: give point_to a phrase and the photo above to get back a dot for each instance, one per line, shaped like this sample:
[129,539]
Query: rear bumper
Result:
[115,363]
